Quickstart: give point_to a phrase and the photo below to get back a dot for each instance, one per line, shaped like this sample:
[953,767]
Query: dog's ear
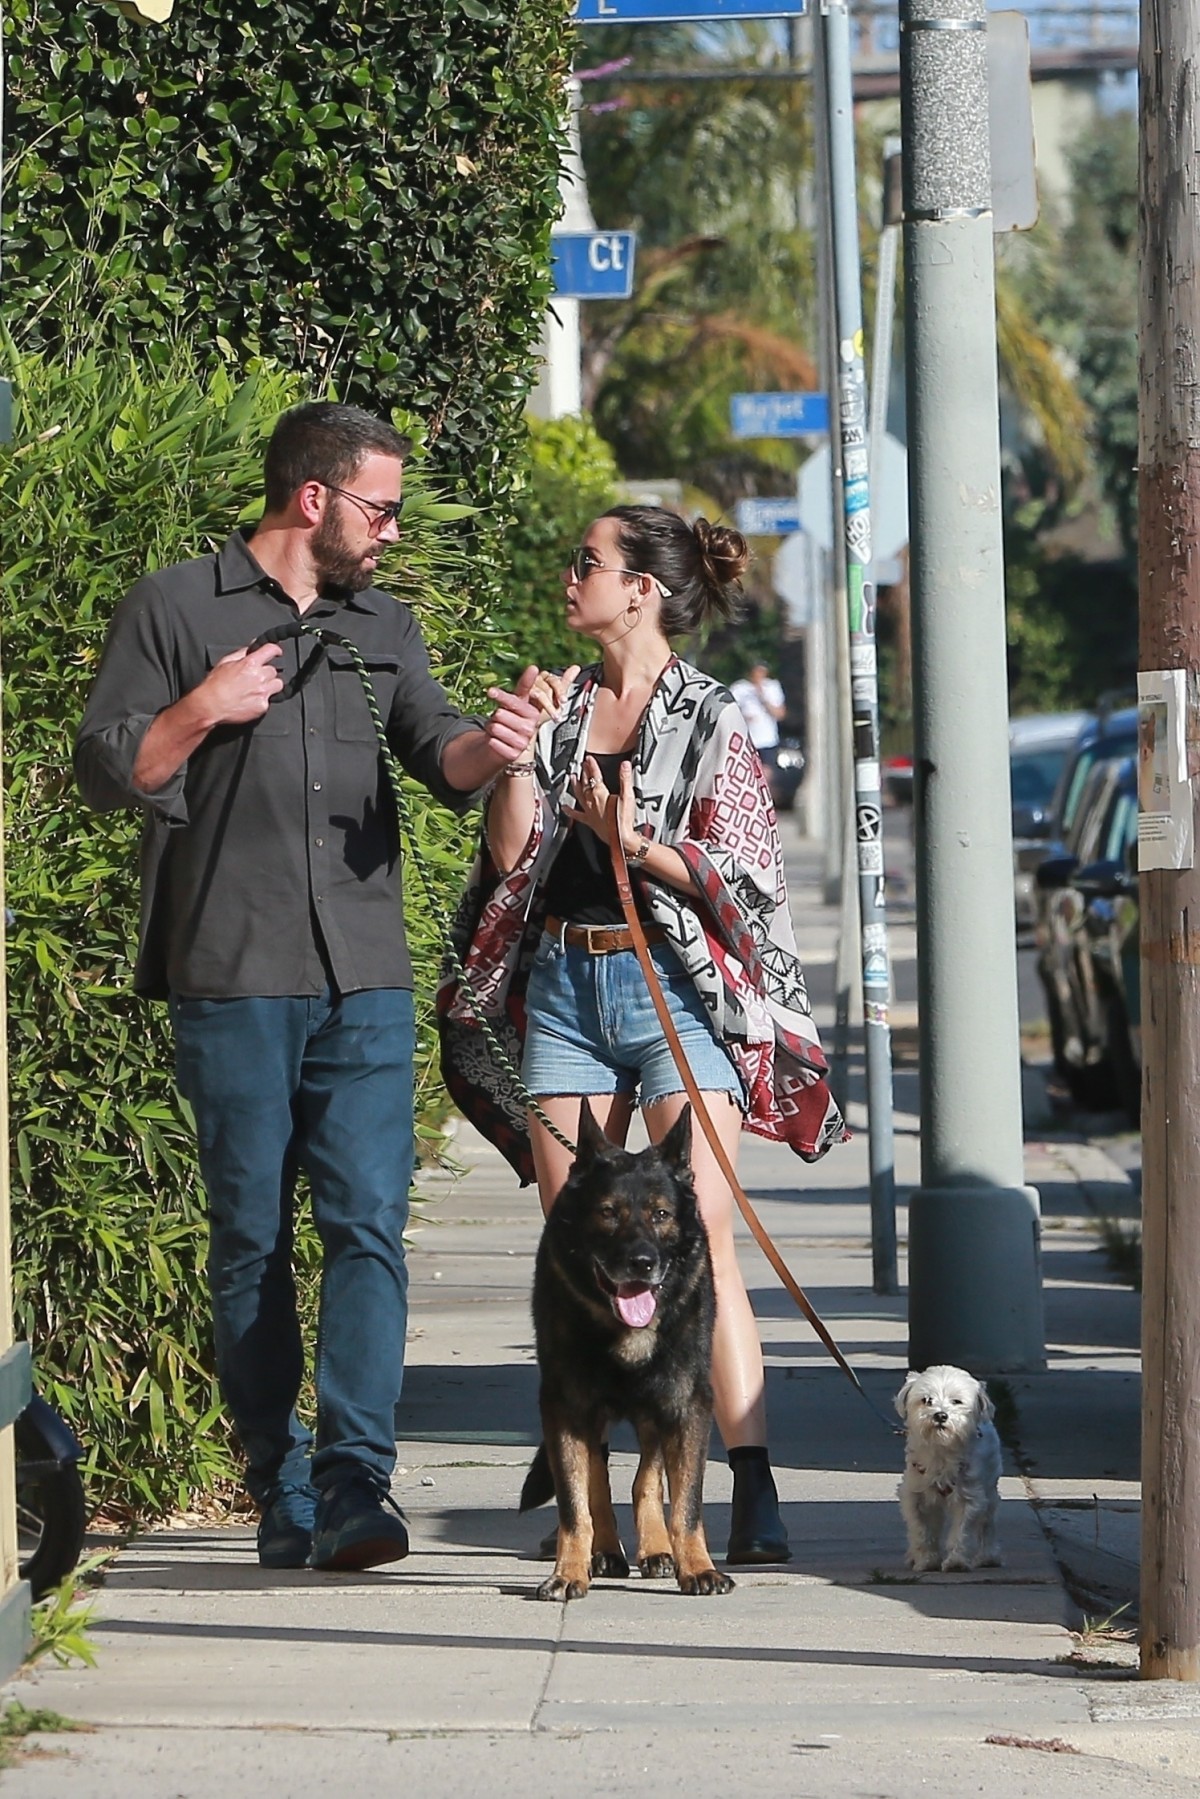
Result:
[983,1404]
[906,1389]
[592,1141]
[676,1146]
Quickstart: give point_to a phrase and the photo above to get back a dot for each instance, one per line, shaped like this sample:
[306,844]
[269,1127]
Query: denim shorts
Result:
[592,1027]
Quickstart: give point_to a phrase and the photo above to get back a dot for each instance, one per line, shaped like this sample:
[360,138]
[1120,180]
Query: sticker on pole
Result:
[1165,803]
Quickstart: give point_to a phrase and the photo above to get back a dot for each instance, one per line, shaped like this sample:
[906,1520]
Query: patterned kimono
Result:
[698,786]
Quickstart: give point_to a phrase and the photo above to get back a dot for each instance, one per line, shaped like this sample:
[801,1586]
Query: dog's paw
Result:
[706,1584]
[608,1564]
[961,1564]
[922,1562]
[657,1567]
[558,1589]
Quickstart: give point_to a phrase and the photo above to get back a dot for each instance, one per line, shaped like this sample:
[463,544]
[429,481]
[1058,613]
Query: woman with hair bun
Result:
[700,837]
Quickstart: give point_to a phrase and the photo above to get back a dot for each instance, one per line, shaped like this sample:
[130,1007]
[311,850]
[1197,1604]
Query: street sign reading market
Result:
[778,415]
[676,12]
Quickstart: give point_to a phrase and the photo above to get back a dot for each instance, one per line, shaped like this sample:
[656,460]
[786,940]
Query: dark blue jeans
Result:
[324,1085]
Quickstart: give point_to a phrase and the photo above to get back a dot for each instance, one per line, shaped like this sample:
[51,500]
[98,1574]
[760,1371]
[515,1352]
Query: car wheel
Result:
[1093,1087]
[1127,1076]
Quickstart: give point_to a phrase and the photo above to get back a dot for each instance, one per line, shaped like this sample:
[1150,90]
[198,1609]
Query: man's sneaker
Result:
[359,1525]
[285,1530]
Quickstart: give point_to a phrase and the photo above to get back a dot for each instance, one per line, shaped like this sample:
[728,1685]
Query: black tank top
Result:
[581,887]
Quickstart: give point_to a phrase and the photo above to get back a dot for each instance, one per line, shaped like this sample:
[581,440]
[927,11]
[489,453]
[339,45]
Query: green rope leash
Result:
[413,850]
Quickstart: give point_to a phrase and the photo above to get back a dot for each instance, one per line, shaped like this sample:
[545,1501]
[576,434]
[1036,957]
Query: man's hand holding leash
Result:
[237,691]
[241,685]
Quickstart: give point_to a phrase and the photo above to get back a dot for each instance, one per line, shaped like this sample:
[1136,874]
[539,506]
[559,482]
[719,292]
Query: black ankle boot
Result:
[756,1531]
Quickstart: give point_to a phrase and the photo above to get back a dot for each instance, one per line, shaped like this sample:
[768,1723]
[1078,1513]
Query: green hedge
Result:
[359,196]
[568,477]
[117,465]
[363,193]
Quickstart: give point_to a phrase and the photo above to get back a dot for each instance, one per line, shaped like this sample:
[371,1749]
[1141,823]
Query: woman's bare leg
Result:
[612,1112]
[737,1373]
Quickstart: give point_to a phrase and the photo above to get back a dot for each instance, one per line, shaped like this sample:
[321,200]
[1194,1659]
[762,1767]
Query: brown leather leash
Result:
[757,1228]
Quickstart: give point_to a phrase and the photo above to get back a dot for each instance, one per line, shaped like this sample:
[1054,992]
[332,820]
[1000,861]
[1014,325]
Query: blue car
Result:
[1104,738]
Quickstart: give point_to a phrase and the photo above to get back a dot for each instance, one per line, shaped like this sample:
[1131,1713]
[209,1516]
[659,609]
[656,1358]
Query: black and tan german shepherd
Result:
[623,1308]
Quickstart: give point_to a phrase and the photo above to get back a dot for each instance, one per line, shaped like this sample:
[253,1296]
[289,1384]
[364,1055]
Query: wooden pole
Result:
[1169,527]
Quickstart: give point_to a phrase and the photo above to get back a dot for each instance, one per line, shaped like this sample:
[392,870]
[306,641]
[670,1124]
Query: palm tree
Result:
[716,178]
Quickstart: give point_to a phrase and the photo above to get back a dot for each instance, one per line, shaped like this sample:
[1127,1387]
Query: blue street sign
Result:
[592,265]
[767,518]
[675,12]
[778,415]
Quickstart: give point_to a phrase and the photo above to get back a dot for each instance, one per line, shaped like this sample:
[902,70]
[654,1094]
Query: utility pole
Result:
[833,40]
[974,1261]
[836,674]
[559,389]
[1169,562]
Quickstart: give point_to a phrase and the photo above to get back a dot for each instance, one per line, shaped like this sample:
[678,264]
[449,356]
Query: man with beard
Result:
[272,924]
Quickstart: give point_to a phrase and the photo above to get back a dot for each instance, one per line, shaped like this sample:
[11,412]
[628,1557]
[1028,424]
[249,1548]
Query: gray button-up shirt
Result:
[274,850]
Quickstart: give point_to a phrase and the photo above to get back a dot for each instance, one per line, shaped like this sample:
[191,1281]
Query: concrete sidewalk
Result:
[840,1674]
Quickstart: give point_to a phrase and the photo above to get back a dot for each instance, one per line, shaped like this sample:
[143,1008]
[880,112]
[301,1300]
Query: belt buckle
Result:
[596,933]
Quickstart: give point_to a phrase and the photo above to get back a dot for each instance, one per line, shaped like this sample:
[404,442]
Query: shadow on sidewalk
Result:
[642,1647]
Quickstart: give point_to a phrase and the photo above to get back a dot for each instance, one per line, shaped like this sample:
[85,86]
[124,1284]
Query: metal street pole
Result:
[833,590]
[559,389]
[885,313]
[1169,563]
[974,1229]
[833,40]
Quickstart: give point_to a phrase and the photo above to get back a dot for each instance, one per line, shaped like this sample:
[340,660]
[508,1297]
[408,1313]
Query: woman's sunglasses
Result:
[585,562]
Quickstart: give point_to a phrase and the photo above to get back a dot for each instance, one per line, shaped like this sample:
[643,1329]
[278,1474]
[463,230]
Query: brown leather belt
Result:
[601,939]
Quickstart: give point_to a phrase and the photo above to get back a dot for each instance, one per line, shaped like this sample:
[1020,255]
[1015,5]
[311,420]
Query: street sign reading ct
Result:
[592,265]
[673,12]
[767,518]
[778,415]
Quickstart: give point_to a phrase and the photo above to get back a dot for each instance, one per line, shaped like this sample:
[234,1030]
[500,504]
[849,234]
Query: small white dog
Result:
[951,1470]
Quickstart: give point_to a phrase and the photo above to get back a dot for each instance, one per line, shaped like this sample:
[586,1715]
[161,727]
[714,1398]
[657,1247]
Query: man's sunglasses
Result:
[585,562]
[379,512]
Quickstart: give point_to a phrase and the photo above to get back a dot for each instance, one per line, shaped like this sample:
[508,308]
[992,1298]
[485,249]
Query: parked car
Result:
[1087,943]
[1107,737]
[1038,748]
[1115,940]
[898,780]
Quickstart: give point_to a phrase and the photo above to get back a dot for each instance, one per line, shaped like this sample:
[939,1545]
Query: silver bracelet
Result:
[641,852]
[517,768]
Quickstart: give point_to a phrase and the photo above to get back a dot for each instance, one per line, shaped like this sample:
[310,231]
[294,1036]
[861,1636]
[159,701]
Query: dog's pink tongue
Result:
[636,1304]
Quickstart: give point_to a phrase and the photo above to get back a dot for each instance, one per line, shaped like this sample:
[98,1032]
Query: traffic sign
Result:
[889,499]
[767,518]
[674,12]
[592,265]
[778,415]
[796,578]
